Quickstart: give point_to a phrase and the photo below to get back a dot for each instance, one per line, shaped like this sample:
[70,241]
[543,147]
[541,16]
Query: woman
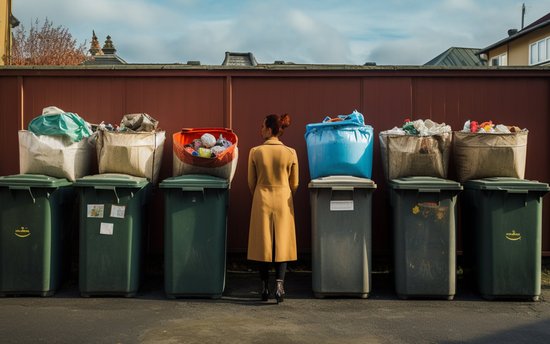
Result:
[272,179]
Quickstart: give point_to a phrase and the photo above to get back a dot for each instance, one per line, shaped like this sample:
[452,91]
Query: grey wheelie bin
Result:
[195,231]
[504,216]
[35,211]
[341,208]
[113,221]
[424,226]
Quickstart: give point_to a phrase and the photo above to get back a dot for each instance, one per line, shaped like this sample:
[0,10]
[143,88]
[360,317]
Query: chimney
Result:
[512,32]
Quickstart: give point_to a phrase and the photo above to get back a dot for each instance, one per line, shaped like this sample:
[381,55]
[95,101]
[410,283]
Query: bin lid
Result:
[112,179]
[424,183]
[195,180]
[33,180]
[342,181]
[506,184]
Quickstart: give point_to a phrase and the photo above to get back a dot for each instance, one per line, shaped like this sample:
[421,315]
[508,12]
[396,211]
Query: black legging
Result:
[280,269]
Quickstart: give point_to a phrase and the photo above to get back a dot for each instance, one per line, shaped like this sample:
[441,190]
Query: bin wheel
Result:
[450,297]
[535,298]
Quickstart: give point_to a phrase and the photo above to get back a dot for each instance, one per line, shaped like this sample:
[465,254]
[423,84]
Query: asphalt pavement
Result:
[240,317]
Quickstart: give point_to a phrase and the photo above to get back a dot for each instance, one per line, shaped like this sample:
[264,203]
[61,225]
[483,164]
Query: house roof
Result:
[455,56]
[239,59]
[537,24]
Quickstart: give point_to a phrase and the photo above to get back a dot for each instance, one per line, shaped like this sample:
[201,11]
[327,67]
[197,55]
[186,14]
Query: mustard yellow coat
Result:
[272,179]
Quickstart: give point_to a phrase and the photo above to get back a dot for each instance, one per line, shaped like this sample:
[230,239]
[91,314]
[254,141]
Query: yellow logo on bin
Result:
[22,232]
[415,209]
[514,236]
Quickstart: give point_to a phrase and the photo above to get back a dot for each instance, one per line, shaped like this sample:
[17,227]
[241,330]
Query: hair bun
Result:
[285,120]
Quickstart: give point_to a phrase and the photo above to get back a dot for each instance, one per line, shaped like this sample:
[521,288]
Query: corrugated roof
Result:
[537,24]
[454,57]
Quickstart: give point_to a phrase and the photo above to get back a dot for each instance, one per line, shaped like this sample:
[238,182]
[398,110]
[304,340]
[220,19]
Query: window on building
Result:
[500,60]
[539,51]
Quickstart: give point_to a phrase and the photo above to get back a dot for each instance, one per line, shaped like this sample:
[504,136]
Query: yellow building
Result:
[5,29]
[529,46]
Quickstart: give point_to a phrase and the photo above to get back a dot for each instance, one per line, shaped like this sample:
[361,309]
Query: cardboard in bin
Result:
[410,155]
[485,155]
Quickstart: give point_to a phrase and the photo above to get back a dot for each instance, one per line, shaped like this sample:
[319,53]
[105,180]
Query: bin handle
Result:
[515,191]
[108,187]
[190,188]
[342,188]
[27,188]
[429,190]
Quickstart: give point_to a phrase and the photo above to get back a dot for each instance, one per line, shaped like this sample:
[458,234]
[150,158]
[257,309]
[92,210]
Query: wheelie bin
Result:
[424,225]
[503,217]
[35,213]
[341,213]
[195,231]
[113,221]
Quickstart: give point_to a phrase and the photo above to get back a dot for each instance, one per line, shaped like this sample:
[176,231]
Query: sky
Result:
[388,32]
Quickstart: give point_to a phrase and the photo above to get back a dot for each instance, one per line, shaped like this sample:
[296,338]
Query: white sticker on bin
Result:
[341,205]
[118,211]
[96,210]
[106,228]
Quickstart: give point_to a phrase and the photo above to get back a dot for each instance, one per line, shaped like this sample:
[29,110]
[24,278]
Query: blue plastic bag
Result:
[340,148]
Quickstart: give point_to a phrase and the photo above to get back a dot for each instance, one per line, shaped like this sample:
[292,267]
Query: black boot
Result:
[265,290]
[280,292]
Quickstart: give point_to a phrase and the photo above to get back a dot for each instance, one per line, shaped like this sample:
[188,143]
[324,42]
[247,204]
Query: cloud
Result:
[307,31]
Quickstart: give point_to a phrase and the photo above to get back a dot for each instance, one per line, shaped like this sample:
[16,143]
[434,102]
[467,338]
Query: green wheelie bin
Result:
[424,227]
[35,215]
[113,222]
[502,217]
[195,231]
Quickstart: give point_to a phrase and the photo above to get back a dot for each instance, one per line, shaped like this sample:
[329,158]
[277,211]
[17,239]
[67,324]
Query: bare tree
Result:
[46,45]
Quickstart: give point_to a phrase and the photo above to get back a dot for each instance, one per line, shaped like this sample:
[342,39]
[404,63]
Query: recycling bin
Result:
[113,221]
[341,209]
[195,231]
[504,217]
[35,213]
[424,227]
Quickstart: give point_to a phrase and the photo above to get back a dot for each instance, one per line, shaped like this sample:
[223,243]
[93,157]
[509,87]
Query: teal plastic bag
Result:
[54,121]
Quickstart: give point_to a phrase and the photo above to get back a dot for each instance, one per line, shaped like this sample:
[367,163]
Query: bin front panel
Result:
[195,241]
[31,239]
[111,231]
[507,232]
[424,242]
[341,241]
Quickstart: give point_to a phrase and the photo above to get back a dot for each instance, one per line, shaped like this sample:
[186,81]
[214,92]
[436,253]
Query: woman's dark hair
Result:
[277,123]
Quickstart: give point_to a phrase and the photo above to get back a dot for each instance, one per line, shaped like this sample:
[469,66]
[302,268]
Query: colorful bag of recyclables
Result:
[485,149]
[341,145]
[134,147]
[418,148]
[211,151]
[58,144]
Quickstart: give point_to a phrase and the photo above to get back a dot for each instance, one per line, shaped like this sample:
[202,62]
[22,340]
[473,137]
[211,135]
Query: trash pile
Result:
[419,127]
[58,144]
[346,140]
[207,146]
[489,127]
[418,148]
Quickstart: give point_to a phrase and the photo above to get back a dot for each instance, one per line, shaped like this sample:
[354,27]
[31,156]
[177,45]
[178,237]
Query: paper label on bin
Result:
[118,211]
[106,228]
[96,210]
[341,205]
